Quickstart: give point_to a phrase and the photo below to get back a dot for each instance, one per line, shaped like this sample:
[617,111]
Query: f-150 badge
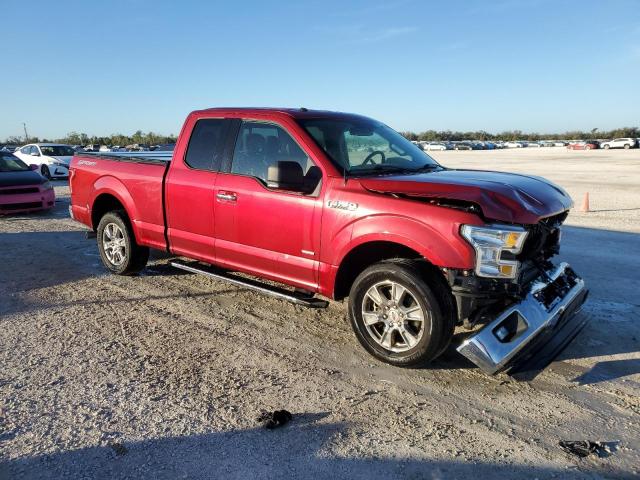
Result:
[342,205]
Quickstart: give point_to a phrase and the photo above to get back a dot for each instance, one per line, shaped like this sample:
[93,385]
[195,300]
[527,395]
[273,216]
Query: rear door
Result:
[274,233]
[189,189]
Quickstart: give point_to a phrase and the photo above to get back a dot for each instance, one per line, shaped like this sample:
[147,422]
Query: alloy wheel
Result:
[114,244]
[393,316]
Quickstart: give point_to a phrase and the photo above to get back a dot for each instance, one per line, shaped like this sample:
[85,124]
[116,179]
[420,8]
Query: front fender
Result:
[443,248]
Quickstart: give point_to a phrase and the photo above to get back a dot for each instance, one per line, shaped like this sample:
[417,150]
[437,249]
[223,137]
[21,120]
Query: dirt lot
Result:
[163,375]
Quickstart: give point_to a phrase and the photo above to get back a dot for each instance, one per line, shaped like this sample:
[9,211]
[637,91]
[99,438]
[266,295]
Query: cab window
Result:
[206,145]
[261,145]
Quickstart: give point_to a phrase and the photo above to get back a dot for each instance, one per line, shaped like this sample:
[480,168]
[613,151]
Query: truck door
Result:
[189,189]
[270,231]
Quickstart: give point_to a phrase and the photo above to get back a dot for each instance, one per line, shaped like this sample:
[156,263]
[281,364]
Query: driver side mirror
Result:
[34,167]
[286,176]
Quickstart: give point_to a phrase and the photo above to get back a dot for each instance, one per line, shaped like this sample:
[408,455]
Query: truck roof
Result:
[289,112]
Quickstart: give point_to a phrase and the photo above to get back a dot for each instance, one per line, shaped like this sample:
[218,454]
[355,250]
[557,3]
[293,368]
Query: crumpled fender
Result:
[442,248]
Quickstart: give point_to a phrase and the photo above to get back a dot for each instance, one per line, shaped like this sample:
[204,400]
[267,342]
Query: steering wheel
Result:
[369,158]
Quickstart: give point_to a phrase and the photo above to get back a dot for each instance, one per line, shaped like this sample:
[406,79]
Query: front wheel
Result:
[607,147]
[117,244]
[627,146]
[45,172]
[396,315]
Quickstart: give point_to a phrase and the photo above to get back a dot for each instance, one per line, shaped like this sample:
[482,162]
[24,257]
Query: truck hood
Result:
[505,197]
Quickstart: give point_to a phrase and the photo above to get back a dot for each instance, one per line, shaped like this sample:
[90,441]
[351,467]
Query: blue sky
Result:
[117,66]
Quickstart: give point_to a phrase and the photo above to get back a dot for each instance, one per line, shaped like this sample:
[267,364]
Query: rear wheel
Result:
[45,172]
[397,315]
[627,146]
[607,147]
[118,248]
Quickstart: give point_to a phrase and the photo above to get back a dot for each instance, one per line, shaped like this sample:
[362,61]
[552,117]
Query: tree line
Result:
[75,138]
[447,135]
[151,138]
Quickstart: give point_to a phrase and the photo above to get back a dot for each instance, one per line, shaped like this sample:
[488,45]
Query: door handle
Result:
[227,196]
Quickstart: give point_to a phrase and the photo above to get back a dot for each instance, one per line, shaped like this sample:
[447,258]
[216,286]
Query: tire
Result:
[392,334]
[627,146]
[126,257]
[607,147]
[45,172]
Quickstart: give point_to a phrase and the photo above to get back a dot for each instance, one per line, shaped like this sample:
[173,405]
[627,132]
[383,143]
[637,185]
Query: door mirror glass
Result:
[286,175]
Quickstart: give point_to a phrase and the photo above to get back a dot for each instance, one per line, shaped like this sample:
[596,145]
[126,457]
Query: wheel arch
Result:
[364,255]
[110,194]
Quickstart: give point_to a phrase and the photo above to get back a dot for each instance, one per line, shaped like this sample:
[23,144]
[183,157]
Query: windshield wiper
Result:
[381,168]
[428,167]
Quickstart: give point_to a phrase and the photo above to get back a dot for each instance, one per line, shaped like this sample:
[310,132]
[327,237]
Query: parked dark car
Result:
[22,188]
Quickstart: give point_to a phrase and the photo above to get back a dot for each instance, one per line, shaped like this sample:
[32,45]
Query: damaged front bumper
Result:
[548,310]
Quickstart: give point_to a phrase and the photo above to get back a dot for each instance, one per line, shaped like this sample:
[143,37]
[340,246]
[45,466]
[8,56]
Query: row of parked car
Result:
[136,147]
[53,159]
[625,143]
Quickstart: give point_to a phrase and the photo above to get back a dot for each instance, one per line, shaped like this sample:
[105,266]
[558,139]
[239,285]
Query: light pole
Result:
[26,135]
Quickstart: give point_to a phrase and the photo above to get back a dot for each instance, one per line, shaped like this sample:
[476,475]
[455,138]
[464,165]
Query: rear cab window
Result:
[207,144]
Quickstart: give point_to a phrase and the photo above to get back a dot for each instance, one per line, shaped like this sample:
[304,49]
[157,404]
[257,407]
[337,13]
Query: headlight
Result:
[489,242]
[46,185]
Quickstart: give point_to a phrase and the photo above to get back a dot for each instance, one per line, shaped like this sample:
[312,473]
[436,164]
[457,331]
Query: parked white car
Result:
[619,143]
[434,146]
[52,158]
[513,145]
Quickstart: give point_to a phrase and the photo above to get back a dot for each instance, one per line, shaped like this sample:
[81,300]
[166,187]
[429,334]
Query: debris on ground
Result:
[118,448]
[584,448]
[275,419]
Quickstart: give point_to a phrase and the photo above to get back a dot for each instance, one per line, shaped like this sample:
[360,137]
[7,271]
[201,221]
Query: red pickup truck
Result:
[342,206]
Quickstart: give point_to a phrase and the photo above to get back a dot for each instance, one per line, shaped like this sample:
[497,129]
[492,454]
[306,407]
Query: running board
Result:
[277,292]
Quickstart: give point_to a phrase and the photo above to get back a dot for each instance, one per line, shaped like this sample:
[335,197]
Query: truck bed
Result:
[136,179]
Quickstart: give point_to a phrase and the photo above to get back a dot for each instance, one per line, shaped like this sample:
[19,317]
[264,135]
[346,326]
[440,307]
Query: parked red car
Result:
[341,205]
[584,145]
[22,189]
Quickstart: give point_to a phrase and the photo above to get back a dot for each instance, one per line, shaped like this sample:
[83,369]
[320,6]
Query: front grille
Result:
[543,241]
[20,206]
[18,191]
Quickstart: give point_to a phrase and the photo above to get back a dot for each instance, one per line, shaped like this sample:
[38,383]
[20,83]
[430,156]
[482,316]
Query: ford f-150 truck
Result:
[306,204]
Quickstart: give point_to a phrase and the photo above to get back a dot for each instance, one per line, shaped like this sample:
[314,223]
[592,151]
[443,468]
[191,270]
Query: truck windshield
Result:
[363,146]
[11,163]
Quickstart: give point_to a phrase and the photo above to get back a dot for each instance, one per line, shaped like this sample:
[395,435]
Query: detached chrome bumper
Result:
[550,307]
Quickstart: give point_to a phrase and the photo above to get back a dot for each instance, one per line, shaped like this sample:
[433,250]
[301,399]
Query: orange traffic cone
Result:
[585,203]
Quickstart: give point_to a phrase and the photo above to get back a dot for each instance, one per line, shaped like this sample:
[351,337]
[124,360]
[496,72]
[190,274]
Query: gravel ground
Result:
[163,375]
